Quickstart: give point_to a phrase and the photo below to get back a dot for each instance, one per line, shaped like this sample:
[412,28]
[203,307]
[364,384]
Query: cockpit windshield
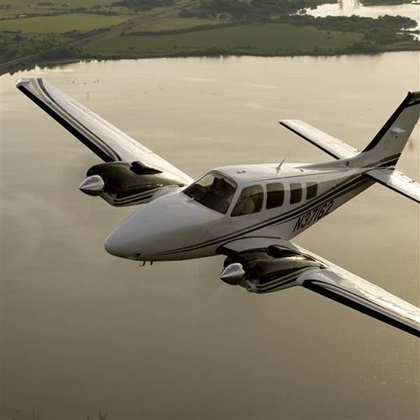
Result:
[213,191]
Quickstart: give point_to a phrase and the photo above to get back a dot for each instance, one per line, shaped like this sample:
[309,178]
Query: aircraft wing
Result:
[132,174]
[104,139]
[264,265]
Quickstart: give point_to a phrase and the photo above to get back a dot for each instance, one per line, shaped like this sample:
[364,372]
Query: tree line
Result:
[252,10]
[140,5]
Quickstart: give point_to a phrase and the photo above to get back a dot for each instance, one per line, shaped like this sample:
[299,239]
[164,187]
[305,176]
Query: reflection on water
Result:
[81,330]
[355,7]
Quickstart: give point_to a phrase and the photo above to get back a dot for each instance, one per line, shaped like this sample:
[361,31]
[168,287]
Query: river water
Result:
[82,330]
[355,7]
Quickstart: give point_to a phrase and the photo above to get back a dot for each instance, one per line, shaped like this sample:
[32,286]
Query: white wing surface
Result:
[264,265]
[105,140]
[348,289]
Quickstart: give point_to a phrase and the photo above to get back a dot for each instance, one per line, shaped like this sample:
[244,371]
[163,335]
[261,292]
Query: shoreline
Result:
[295,37]
[14,66]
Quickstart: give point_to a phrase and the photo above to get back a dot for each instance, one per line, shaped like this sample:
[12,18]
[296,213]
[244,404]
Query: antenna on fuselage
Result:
[281,163]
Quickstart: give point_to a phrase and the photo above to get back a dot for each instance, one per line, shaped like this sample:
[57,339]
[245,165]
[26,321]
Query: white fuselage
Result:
[179,226]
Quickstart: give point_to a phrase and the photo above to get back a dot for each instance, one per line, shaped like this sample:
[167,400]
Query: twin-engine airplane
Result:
[247,212]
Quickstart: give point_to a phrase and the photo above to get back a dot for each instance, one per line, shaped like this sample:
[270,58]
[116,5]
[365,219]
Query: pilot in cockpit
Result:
[249,202]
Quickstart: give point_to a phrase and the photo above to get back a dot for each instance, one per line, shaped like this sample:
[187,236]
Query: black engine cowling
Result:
[126,183]
[268,269]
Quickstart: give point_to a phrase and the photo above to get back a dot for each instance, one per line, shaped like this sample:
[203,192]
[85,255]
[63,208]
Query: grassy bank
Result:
[254,38]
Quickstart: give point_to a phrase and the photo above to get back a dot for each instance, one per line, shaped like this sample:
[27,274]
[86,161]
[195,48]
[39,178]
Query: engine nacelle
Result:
[125,183]
[265,270]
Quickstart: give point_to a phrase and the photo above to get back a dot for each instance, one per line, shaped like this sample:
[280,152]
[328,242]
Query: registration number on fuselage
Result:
[313,215]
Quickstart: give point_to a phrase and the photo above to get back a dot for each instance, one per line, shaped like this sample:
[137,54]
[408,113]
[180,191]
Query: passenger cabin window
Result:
[295,193]
[275,195]
[311,190]
[213,191]
[250,201]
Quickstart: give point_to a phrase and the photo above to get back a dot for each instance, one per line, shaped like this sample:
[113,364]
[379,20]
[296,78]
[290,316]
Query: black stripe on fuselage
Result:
[333,193]
[67,125]
[385,162]
[272,221]
[329,194]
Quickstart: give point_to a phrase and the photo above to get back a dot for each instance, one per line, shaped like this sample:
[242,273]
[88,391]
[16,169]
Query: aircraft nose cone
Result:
[118,244]
[113,245]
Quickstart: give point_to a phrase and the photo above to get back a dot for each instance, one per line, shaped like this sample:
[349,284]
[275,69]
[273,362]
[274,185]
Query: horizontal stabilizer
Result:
[324,141]
[397,181]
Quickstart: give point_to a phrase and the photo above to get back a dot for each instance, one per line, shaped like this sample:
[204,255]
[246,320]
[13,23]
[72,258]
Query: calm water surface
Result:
[81,330]
[355,7]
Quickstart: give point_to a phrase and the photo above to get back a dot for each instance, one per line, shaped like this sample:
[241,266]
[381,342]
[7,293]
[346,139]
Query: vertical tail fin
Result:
[386,147]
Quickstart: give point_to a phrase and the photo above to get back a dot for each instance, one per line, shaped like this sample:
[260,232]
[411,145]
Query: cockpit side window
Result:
[250,201]
[295,193]
[311,190]
[275,195]
[213,191]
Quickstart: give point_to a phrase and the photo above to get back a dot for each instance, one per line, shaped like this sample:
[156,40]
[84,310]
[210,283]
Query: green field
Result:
[255,38]
[173,24]
[35,32]
[62,23]
[14,8]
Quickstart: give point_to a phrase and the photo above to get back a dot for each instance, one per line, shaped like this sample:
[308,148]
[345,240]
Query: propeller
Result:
[92,185]
[233,274]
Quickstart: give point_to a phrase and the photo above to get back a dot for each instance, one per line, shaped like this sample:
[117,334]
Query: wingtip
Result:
[20,82]
[413,96]
[27,81]
[23,82]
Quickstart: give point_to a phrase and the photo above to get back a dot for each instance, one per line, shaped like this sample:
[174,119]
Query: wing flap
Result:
[397,181]
[100,136]
[324,141]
